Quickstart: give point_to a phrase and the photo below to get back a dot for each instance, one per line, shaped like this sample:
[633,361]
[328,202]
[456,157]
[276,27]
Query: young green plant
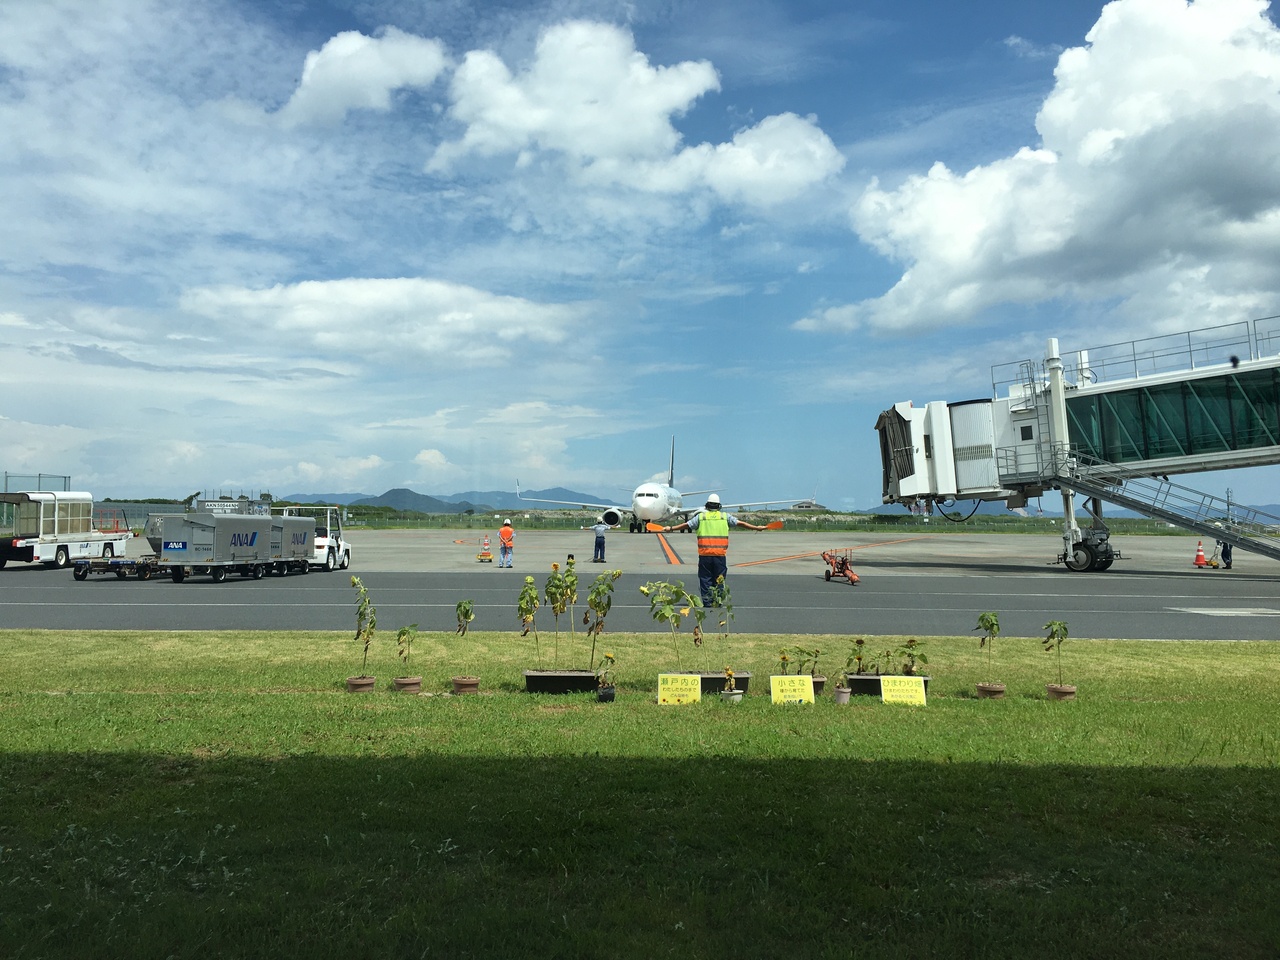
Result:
[1056,633]
[556,591]
[989,624]
[404,644]
[366,621]
[599,603]
[670,603]
[603,670]
[526,608]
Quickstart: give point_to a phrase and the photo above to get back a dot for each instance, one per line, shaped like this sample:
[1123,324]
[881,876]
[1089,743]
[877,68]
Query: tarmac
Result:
[781,552]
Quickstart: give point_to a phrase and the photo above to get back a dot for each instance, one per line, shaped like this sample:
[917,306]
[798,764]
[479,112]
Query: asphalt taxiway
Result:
[921,583]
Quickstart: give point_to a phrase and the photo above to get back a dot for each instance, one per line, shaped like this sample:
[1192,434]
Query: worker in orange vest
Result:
[506,544]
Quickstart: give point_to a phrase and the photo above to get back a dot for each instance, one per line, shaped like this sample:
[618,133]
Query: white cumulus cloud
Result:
[398,321]
[590,97]
[353,71]
[1156,185]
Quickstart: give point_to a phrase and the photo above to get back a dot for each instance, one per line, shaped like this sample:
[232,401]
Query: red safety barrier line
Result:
[818,553]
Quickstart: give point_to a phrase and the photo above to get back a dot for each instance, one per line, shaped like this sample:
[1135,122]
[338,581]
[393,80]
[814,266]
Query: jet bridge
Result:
[1112,423]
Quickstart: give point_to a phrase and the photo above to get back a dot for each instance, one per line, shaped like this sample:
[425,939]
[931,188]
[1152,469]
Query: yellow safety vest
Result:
[713,534]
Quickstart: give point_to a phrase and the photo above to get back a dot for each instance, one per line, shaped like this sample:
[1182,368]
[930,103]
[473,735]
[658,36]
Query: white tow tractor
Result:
[56,528]
[332,551]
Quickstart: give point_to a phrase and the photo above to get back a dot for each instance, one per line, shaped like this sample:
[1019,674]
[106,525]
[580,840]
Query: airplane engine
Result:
[612,517]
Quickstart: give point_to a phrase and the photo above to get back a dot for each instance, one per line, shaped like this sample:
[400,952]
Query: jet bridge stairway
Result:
[1202,513]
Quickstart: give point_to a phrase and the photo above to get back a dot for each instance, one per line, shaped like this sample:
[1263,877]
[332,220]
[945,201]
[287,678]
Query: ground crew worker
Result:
[712,526]
[601,528]
[506,544]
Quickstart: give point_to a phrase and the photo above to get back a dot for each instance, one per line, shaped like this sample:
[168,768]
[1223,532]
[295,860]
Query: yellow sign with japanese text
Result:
[679,688]
[792,689]
[902,690]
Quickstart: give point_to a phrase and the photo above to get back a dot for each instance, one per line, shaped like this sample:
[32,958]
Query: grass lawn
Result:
[219,794]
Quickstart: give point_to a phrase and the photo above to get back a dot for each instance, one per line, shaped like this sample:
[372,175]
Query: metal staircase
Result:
[1202,513]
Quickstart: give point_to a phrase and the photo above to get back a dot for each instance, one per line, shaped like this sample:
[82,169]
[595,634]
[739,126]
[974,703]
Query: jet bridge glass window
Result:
[1209,415]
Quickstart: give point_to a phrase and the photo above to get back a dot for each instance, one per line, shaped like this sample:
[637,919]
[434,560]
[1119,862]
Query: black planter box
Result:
[713,682]
[868,684]
[560,681]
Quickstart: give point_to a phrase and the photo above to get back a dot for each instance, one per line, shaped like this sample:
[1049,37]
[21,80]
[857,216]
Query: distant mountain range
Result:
[478,501]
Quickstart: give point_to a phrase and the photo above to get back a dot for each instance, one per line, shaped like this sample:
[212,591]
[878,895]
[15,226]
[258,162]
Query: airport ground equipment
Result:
[219,544]
[57,528]
[485,555]
[839,565]
[331,550]
[1111,424]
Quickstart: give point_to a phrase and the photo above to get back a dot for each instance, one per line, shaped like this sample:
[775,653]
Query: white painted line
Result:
[1229,611]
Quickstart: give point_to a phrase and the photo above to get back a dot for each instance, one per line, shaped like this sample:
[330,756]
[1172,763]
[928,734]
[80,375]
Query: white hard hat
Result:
[713,500]
[506,523]
[599,519]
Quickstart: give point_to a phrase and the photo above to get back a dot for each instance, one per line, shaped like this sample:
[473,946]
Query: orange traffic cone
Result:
[1200,560]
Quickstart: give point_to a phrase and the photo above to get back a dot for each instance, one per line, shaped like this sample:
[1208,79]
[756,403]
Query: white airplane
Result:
[651,503]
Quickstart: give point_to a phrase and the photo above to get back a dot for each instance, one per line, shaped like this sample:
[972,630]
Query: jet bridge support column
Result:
[1059,446]
[1081,550]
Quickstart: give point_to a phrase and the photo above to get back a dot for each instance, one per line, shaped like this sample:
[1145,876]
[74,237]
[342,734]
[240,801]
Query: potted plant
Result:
[911,655]
[989,624]
[561,593]
[864,667]
[842,691]
[605,688]
[404,646]
[1056,633]
[722,601]
[366,624]
[465,611]
[731,691]
[671,603]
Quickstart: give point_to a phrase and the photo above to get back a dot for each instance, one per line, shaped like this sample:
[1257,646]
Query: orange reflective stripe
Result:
[713,546]
[713,534]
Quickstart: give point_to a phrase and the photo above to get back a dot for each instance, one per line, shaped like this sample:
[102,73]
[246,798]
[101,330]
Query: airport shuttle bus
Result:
[56,528]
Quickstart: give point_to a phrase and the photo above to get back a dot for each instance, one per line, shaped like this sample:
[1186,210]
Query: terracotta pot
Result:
[1060,691]
[407,684]
[466,684]
[992,691]
[842,694]
[560,681]
[606,694]
[360,684]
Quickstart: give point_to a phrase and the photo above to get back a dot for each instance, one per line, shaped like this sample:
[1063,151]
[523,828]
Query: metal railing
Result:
[1204,513]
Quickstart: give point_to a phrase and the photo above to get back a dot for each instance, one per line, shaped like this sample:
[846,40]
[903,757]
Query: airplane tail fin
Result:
[671,473]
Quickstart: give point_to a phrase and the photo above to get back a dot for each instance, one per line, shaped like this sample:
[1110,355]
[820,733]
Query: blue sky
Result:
[350,246]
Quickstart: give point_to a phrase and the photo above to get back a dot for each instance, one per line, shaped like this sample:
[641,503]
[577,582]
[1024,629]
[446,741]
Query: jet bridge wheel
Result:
[1081,558]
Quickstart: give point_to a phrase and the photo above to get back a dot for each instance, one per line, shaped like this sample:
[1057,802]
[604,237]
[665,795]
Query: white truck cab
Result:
[332,551]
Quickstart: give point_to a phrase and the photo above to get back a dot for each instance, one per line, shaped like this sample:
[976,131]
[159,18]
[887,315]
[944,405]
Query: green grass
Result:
[220,795]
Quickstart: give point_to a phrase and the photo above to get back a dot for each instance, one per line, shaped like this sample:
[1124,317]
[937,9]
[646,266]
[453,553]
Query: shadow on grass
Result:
[126,856]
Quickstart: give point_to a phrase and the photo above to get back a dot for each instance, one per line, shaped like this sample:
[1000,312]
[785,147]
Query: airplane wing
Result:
[571,503]
[689,511]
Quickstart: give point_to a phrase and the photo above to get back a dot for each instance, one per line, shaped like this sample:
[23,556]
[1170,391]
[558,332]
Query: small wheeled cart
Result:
[839,565]
[142,568]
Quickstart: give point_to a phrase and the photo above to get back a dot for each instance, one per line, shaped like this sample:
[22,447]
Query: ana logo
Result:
[300,539]
[244,539]
[175,544]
